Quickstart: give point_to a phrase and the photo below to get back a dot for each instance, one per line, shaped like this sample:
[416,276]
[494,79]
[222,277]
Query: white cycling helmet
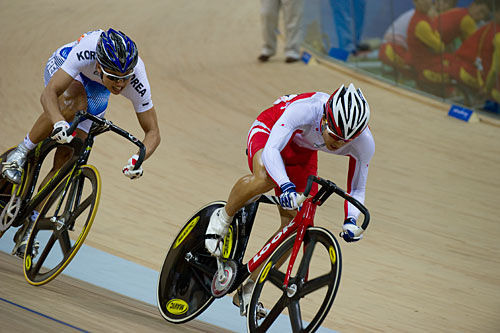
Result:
[347,113]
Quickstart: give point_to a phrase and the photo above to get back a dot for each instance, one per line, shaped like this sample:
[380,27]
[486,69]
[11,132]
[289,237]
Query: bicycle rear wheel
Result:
[184,284]
[311,290]
[62,226]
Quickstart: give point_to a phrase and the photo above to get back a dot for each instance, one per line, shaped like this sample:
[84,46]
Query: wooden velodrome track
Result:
[430,261]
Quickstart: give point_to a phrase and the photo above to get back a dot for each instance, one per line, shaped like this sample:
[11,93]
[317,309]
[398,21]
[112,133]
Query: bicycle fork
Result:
[304,220]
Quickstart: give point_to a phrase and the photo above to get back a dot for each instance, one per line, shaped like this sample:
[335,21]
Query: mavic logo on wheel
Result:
[228,244]
[27,262]
[275,239]
[333,256]
[265,271]
[177,306]
[185,232]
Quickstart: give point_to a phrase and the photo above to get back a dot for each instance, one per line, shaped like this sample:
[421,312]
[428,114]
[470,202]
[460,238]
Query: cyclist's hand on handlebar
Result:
[350,231]
[129,169]
[288,197]
[59,133]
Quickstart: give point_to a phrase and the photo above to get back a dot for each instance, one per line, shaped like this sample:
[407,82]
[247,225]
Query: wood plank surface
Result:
[430,261]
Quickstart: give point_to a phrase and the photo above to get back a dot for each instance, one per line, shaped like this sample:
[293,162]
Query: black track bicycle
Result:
[69,202]
[191,278]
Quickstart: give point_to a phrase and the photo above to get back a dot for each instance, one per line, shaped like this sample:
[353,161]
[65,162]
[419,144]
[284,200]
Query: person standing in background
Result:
[292,15]
[349,17]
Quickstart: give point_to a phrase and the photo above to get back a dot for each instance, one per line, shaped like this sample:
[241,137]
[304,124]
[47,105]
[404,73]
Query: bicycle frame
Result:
[81,153]
[301,222]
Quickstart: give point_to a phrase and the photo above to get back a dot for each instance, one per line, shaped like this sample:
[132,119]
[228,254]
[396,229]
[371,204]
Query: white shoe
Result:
[217,226]
[13,166]
[244,294]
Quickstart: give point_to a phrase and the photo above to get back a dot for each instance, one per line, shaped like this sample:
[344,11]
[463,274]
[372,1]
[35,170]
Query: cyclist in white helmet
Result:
[81,75]
[282,148]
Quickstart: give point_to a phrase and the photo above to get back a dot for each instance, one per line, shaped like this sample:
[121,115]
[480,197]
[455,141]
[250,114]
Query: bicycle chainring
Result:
[222,283]
[9,213]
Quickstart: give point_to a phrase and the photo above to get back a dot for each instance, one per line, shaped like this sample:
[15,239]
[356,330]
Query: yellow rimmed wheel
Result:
[62,225]
[312,287]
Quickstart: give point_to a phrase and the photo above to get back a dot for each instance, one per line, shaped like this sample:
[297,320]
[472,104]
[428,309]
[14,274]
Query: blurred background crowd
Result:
[447,48]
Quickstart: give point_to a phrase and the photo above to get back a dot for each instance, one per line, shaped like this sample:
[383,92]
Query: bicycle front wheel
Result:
[311,290]
[62,225]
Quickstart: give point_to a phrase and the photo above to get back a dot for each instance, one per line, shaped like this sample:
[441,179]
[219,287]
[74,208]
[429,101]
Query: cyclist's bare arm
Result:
[49,99]
[149,124]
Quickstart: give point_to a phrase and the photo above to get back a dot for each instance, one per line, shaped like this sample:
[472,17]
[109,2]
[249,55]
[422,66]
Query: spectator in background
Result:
[477,62]
[394,49]
[460,23]
[440,6]
[292,15]
[349,17]
[426,49]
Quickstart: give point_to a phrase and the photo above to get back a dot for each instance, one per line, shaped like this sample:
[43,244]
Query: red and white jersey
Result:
[82,59]
[298,118]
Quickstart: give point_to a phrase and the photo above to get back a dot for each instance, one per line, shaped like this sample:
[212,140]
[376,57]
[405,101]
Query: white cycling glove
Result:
[288,197]
[129,169]
[59,133]
[350,231]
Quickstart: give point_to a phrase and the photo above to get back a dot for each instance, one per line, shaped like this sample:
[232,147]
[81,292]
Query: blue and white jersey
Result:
[78,59]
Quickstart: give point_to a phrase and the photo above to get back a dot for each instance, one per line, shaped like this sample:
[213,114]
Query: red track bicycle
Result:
[191,279]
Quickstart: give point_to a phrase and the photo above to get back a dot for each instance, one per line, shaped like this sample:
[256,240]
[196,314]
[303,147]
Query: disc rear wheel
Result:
[185,281]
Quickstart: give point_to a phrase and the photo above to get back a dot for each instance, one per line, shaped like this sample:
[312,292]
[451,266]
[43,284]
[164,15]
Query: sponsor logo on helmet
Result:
[177,306]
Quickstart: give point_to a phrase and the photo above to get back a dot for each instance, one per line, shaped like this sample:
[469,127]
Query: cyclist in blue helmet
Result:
[116,51]
[81,75]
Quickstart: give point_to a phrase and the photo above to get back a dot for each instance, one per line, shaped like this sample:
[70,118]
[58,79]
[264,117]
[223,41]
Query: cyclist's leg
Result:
[305,163]
[72,100]
[249,186]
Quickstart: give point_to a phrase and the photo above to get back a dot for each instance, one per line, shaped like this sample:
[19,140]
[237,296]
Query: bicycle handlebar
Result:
[327,188]
[82,115]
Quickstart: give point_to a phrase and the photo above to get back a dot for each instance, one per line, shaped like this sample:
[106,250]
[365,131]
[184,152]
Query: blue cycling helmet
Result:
[116,51]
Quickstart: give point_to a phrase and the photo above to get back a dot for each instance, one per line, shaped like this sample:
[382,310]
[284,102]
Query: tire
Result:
[59,243]
[183,290]
[309,304]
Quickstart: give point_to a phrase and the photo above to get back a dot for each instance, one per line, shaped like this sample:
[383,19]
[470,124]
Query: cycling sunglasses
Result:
[332,134]
[114,77]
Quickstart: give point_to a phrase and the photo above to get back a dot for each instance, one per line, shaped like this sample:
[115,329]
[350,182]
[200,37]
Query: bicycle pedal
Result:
[262,312]
[36,246]
[15,250]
